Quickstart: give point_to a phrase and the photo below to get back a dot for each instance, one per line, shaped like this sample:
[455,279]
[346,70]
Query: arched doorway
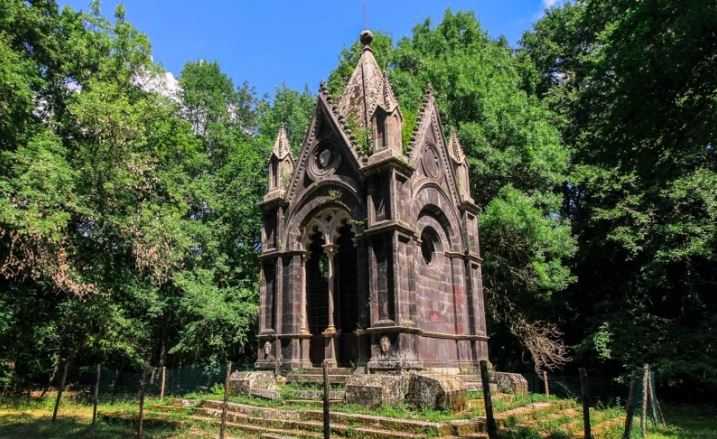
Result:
[332,284]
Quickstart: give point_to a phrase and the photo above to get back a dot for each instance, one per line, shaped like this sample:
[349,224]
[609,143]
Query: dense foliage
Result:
[633,88]
[129,221]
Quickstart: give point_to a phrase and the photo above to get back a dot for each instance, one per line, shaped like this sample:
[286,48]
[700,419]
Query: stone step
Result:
[334,395]
[311,401]
[354,419]
[268,432]
[306,378]
[290,425]
[319,371]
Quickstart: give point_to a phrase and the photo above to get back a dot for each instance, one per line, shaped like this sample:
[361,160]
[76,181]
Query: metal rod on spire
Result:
[365,14]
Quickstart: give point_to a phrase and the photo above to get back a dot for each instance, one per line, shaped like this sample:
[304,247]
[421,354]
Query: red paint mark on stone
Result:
[435,316]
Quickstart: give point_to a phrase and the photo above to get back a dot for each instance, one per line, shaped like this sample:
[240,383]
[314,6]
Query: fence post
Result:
[163,377]
[643,413]
[60,390]
[545,382]
[586,402]
[96,395]
[630,405]
[226,399]
[656,409]
[327,419]
[140,424]
[488,403]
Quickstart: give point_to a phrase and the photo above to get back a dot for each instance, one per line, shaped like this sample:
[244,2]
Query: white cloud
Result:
[163,84]
[550,3]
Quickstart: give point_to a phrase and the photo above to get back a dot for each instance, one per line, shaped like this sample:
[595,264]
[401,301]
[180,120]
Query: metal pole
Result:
[643,413]
[327,419]
[60,390]
[586,402]
[162,383]
[140,423]
[97,394]
[490,420]
[226,400]
[630,406]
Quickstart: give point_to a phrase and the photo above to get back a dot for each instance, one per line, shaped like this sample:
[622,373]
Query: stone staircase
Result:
[309,423]
[300,421]
[314,375]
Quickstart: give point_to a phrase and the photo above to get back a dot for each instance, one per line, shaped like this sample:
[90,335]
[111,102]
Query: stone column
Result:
[304,323]
[330,250]
[330,333]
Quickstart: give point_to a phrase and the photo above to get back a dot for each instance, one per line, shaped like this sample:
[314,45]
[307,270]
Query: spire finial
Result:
[366,37]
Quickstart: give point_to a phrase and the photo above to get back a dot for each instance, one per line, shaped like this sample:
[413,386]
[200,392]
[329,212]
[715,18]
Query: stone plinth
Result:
[252,382]
[437,392]
[375,390]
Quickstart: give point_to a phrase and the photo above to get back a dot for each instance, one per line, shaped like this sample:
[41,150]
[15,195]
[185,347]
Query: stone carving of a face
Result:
[385,344]
[267,349]
[325,158]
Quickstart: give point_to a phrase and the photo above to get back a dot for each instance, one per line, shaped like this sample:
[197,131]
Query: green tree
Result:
[634,90]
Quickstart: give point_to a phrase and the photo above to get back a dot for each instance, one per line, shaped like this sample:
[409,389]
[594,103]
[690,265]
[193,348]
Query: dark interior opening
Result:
[347,297]
[317,290]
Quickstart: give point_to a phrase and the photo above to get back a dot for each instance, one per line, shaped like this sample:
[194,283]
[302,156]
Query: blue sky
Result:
[296,42]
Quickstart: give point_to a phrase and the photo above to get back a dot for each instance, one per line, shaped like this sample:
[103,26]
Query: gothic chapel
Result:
[370,260]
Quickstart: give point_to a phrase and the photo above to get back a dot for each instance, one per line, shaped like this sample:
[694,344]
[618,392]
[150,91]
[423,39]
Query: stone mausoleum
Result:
[370,251]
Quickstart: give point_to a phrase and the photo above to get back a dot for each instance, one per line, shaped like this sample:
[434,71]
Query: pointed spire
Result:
[455,148]
[367,89]
[281,145]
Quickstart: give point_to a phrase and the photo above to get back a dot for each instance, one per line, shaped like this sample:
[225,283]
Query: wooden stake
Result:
[545,383]
[60,390]
[490,420]
[226,400]
[643,413]
[97,394]
[327,415]
[163,377]
[656,404]
[586,403]
[630,405]
[140,423]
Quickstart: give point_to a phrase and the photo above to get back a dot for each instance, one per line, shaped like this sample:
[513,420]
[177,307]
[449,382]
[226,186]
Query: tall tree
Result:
[633,84]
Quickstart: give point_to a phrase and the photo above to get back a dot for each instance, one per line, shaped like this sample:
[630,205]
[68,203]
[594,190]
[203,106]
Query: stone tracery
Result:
[372,259]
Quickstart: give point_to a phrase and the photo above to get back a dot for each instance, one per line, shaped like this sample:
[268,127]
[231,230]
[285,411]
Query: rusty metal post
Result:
[490,419]
[140,417]
[327,418]
[163,375]
[96,395]
[585,394]
[223,427]
[60,390]
[630,406]
[643,413]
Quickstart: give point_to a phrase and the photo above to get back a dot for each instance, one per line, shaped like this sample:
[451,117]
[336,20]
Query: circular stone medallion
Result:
[431,162]
[324,161]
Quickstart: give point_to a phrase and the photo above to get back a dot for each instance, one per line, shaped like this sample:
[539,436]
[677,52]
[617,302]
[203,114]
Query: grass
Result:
[31,418]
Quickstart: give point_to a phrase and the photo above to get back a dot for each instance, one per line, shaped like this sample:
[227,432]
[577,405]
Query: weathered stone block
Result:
[509,382]
[375,390]
[252,382]
[440,392]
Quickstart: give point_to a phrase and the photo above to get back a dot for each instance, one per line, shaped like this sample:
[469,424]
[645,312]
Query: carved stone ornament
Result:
[385,343]
[431,162]
[267,349]
[323,161]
